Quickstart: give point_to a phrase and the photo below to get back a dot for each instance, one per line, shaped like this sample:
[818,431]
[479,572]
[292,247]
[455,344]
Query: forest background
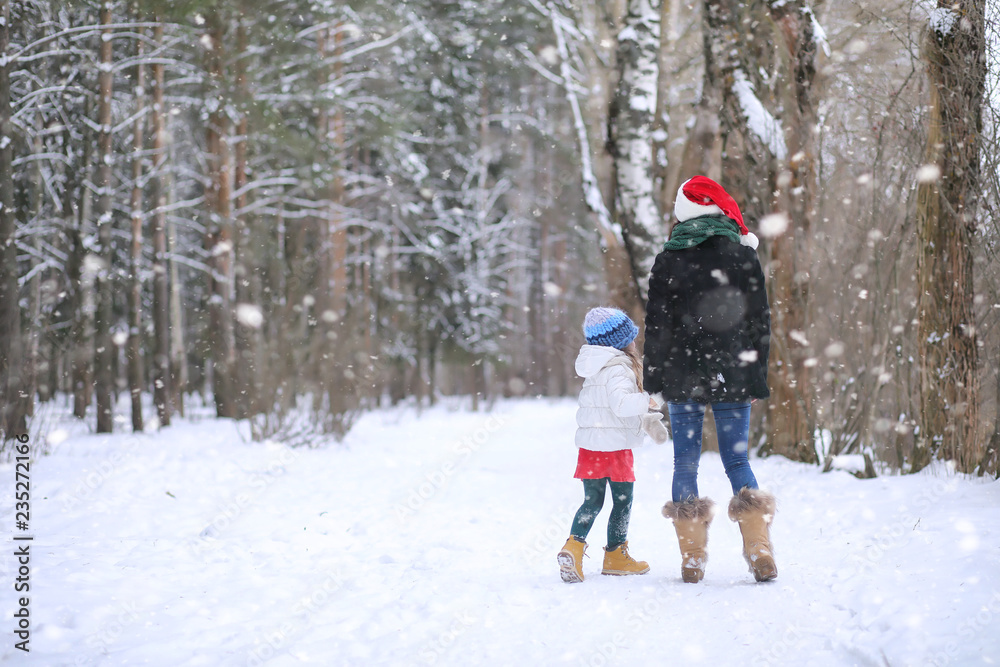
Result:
[313,208]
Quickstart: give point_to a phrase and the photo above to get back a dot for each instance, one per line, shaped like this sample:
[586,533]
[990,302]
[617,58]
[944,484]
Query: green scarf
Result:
[691,232]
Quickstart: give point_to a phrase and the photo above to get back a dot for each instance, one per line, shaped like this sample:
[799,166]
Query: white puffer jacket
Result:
[611,405]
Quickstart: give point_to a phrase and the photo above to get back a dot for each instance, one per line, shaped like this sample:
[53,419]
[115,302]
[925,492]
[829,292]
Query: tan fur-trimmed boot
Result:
[754,509]
[691,520]
[570,559]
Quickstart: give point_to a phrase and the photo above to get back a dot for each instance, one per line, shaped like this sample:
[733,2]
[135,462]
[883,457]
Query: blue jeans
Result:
[732,423]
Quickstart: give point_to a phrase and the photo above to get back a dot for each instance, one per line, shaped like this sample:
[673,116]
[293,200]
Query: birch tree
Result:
[623,290]
[631,121]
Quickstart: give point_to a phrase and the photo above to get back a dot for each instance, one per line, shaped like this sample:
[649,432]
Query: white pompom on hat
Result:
[701,196]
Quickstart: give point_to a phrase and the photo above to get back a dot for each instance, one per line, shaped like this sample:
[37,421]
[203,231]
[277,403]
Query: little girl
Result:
[614,410]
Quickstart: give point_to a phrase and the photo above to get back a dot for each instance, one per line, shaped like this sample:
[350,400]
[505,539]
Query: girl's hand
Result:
[652,404]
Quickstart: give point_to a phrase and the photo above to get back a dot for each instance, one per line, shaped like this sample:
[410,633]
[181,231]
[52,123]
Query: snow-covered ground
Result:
[431,539]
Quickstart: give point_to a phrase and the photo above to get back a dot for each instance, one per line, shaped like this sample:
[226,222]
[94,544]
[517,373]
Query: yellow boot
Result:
[570,560]
[619,562]
[754,510]
[691,520]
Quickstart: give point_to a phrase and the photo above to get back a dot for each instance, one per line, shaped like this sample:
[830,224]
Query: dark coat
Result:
[708,326]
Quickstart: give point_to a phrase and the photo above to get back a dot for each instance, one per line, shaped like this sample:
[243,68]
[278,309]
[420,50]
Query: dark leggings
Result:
[593,501]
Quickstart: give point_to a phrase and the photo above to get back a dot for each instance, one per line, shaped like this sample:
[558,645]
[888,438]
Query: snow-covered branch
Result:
[760,122]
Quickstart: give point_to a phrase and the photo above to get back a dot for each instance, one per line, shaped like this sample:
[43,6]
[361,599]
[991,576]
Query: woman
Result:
[707,335]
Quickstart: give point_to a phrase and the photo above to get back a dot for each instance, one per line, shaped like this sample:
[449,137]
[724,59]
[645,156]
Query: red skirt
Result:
[617,465]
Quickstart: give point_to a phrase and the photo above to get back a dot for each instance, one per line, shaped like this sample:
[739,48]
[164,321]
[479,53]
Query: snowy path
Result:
[432,539]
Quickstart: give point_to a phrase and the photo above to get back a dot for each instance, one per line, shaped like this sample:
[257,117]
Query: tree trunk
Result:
[246,327]
[341,396]
[162,376]
[370,320]
[541,350]
[80,269]
[702,153]
[293,335]
[539,354]
[134,351]
[103,345]
[29,385]
[12,414]
[990,463]
[631,120]
[278,376]
[336,356]
[746,156]
[661,118]
[750,156]
[792,408]
[178,367]
[947,204]
[623,291]
[219,231]
[180,378]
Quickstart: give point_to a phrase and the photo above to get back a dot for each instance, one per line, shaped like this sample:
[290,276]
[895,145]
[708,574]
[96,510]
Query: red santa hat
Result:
[700,196]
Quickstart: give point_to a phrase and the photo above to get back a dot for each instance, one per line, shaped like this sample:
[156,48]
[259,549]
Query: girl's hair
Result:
[636,360]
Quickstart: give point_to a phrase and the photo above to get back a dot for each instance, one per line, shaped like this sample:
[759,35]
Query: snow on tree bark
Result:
[622,287]
[631,137]
[735,134]
[758,119]
[661,115]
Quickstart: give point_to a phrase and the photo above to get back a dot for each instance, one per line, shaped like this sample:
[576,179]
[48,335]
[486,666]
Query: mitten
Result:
[653,427]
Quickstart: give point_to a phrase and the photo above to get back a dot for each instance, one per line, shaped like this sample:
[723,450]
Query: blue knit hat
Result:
[609,327]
